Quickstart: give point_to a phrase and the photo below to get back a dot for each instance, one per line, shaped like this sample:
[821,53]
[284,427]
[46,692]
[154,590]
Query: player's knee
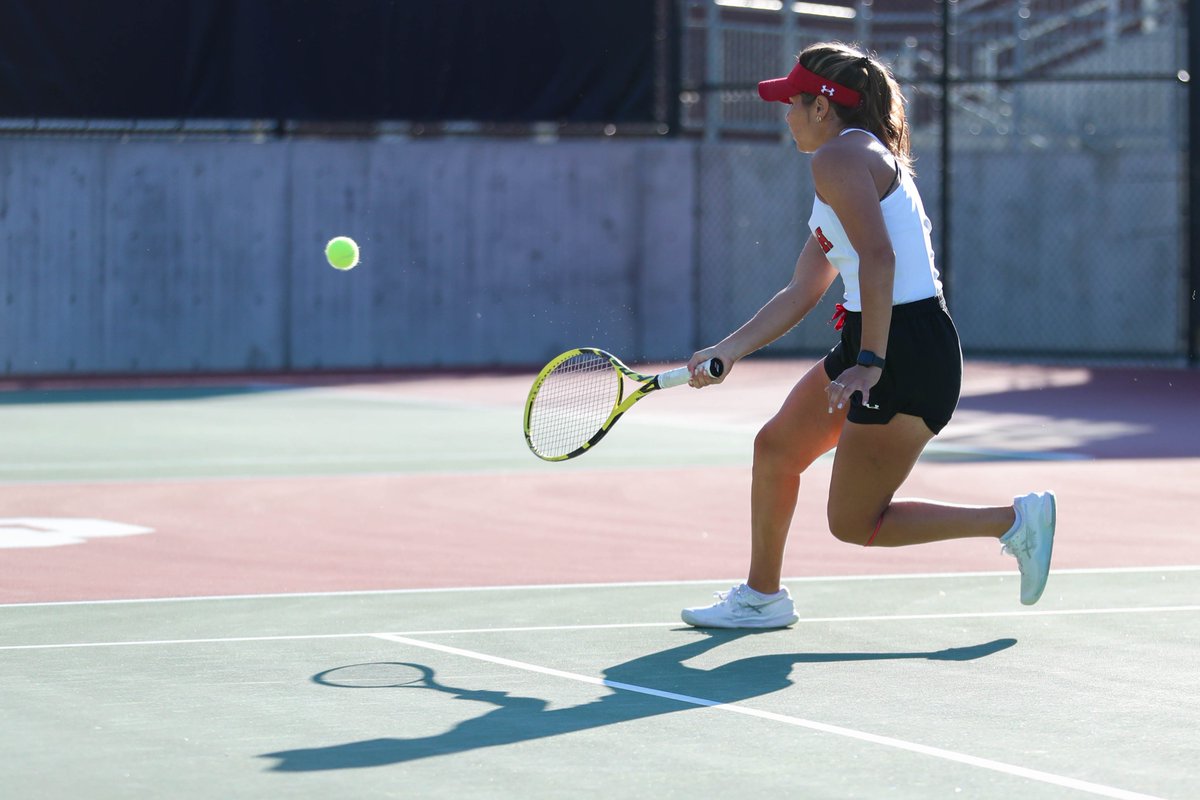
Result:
[848,527]
[776,450]
[769,444]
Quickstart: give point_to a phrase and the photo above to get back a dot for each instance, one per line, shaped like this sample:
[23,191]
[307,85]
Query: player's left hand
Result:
[856,379]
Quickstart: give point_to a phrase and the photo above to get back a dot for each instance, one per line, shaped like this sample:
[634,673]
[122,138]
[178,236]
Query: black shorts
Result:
[923,373]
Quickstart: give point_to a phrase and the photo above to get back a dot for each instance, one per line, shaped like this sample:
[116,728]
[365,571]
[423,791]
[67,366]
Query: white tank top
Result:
[907,226]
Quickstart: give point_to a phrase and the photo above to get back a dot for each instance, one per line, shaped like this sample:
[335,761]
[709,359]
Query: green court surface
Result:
[466,424]
[910,687]
[115,434]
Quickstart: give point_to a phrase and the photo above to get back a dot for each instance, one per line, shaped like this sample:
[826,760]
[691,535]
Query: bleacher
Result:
[995,47]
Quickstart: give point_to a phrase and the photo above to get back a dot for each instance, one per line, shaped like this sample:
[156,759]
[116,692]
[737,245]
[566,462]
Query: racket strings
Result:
[572,404]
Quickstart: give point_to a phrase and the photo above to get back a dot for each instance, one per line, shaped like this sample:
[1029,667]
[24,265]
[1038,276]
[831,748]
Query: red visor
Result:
[804,81]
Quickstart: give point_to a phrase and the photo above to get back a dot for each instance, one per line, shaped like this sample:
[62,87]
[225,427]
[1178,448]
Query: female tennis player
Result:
[892,382]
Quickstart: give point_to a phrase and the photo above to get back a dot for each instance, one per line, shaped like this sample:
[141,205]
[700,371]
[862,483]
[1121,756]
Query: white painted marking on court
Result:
[611,626]
[281,460]
[829,620]
[157,642]
[850,733]
[27,532]
[609,585]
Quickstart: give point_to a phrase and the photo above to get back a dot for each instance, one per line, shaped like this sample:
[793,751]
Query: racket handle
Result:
[677,377]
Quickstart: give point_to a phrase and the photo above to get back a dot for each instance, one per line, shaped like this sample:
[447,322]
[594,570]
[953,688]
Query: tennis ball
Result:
[342,253]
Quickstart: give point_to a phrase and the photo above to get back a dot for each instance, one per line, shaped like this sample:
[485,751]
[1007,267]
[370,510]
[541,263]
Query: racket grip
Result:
[677,377]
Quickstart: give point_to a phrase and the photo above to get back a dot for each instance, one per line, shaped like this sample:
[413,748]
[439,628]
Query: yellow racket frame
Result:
[649,383]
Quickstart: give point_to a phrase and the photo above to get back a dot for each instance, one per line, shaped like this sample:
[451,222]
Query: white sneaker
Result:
[1032,540]
[742,607]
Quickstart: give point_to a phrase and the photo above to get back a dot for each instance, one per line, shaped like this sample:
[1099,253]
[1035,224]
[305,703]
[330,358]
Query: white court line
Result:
[240,461]
[155,642]
[609,626]
[812,620]
[850,733]
[610,585]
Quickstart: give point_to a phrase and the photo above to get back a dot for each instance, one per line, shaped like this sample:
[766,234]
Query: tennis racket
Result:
[578,397]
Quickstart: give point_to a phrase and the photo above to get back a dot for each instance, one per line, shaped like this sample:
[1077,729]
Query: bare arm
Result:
[782,312]
[843,178]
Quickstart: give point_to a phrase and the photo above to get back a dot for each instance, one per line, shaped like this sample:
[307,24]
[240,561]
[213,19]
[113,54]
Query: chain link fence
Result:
[1050,141]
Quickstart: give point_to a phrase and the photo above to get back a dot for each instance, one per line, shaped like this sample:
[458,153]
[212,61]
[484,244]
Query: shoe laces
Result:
[731,595]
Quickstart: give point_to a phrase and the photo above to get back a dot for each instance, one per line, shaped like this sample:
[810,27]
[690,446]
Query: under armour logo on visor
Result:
[826,90]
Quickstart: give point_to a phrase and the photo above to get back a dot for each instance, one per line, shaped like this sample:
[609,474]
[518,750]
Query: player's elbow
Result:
[877,274]
[878,262]
[791,298]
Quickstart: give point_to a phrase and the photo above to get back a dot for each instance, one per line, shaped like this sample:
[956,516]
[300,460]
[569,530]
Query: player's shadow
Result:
[521,719]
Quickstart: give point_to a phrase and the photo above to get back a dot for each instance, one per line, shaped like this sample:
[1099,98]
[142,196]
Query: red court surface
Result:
[345,533]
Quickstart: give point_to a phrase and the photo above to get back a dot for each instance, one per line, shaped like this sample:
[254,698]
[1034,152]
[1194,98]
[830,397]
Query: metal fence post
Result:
[862,22]
[714,71]
[1193,173]
[788,44]
[944,155]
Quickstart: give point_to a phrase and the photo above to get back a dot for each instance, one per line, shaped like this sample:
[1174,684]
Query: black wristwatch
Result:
[868,359]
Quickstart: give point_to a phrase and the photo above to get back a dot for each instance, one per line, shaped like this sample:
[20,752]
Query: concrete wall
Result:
[204,255]
[1072,253]
[1076,252]
[145,257]
[488,253]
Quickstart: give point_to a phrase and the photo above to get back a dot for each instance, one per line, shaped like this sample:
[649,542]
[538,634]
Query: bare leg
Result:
[872,461]
[799,433]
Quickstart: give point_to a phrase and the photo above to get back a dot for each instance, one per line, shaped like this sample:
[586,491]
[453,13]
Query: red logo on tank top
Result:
[826,245]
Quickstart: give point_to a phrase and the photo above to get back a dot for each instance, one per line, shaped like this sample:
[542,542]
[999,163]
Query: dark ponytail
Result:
[882,108]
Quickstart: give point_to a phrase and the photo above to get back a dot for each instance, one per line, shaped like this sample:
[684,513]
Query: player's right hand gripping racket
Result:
[580,395]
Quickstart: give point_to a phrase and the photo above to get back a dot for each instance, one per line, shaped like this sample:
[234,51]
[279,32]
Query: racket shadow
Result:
[520,719]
